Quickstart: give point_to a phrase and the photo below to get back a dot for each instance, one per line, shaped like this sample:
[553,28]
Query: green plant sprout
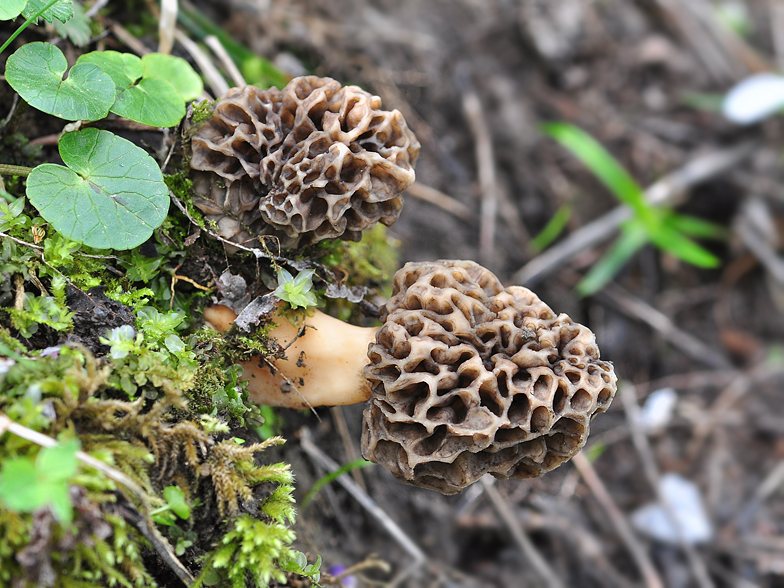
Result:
[552,229]
[296,291]
[175,505]
[27,485]
[331,476]
[110,194]
[666,229]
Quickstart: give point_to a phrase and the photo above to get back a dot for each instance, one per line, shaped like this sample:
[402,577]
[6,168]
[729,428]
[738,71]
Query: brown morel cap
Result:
[469,377]
[310,162]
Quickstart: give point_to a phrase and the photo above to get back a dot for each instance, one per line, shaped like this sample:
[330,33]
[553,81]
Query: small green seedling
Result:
[175,505]
[296,291]
[663,227]
[298,564]
[27,485]
[326,479]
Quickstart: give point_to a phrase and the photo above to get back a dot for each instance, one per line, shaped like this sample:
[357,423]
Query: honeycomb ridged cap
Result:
[469,378]
[313,161]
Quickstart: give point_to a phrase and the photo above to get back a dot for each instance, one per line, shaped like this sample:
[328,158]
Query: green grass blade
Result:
[670,240]
[552,229]
[350,466]
[603,165]
[697,227]
[632,238]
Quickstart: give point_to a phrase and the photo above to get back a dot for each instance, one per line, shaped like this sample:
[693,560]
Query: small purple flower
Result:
[53,352]
[348,581]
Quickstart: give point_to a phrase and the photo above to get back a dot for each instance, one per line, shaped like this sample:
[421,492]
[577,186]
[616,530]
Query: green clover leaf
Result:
[151,90]
[111,195]
[176,501]
[36,72]
[10,9]
[61,10]
[26,485]
[123,68]
[175,71]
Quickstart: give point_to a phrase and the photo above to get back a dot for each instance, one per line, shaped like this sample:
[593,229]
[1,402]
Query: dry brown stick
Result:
[362,497]
[438,198]
[348,443]
[211,73]
[622,527]
[159,543]
[130,41]
[664,192]
[528,549]
[167,23]
[485,161]
[693,32]
[776,10]
[648,461]
[738,387]
[554,518]
[225,59]
[663,325]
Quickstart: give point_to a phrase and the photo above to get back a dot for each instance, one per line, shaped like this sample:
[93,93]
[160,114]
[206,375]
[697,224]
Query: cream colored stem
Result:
[323,365]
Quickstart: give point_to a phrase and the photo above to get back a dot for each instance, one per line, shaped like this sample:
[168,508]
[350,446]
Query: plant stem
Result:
[27,24]
[14,170]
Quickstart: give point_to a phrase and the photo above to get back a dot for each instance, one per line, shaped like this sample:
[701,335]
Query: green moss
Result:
[181,186]
[201,112]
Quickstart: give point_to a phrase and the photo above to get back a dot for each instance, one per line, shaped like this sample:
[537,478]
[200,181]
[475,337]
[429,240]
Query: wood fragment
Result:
[622,528]
[528,549]
[443,201]
[362,497]
[225,60]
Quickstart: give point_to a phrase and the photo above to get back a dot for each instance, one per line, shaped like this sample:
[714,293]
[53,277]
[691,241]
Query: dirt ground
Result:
[474,79]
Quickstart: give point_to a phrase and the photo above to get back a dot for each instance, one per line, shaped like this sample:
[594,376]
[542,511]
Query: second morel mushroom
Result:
[465,377]
[313,161]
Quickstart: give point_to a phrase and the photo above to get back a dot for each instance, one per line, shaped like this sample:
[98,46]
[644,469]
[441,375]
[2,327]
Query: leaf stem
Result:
[14,170]
[27,24]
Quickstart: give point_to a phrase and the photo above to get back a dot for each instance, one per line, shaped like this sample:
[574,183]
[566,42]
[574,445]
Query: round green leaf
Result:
[11,8]
[176,71]
[111,195]
[151,102]
[123,68]
[61,10]
[36,71]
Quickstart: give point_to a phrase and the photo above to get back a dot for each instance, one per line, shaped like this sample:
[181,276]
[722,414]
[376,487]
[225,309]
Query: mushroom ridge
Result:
[469,377]
[309,162]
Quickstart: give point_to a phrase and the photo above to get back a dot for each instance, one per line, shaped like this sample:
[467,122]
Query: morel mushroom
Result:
[310,162]
[465,377]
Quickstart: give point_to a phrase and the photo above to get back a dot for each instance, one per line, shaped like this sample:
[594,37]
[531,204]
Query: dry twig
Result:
[225,59]
[211,73]
[662,324]
[648,461]
[362,497]
[622,527]
[485,161]
[528,549]
[438,198]
[167,24]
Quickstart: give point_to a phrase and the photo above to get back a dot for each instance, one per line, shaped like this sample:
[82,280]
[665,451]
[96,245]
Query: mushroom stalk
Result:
[323,365]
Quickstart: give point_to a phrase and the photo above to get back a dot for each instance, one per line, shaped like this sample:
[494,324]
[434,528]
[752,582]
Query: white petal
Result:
[688,513]
[754,98]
